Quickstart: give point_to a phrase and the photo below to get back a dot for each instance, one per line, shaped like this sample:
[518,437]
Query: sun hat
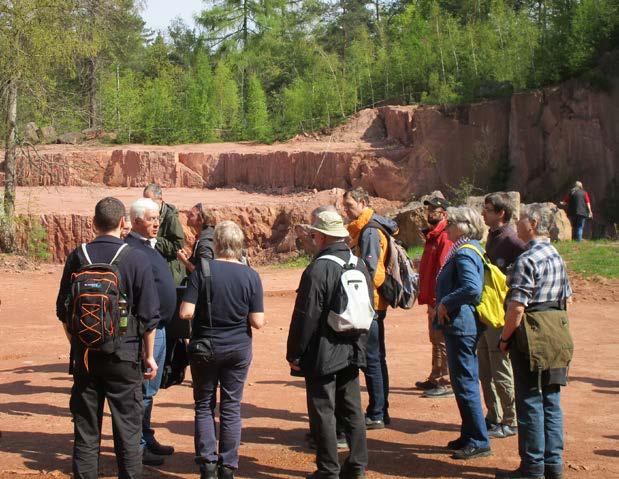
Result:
[330,223]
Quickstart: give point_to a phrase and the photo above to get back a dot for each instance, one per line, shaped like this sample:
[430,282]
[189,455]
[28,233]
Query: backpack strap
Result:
[120,254]
[477,250]
[206,289]
[84,255]
[377,226]
[352,261]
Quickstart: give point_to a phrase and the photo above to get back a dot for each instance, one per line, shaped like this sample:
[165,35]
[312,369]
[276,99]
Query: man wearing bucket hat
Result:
[329,361]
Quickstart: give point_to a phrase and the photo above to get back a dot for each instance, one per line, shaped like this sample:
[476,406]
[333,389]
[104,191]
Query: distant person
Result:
[145,224]
[458,291]
[369,235]
[203,221]
[578,209]
[539,291]
[495,369]
[170,237]
[114,376]
[329,361]
[435,251]
[126,228]
[227,304]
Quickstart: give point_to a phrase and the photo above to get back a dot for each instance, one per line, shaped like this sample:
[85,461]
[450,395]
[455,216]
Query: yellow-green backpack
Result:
[490,309]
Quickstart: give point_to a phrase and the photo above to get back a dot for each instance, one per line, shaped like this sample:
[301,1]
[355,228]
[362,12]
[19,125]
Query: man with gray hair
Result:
[144,215]
[170,236]
[578,209]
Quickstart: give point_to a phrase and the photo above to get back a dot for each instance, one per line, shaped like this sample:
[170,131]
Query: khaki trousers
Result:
[497,379]
[440,370]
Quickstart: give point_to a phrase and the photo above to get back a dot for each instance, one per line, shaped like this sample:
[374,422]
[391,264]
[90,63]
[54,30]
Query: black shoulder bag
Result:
[201,351]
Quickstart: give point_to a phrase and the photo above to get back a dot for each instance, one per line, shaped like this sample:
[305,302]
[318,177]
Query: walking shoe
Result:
[438,392]
[374,423]
[471,452]
[517,474]
[342,443]
[159,449]
[456,444]
[386,418]
[549,474]
[208,470]
[225,472]
[496,431]
[425,385]
[149,458]
[509,431]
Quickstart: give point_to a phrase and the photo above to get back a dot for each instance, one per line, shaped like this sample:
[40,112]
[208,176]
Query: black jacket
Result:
[204,247]
[318,349]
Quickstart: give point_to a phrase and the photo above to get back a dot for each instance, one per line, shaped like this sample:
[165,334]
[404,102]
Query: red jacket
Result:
[434,255]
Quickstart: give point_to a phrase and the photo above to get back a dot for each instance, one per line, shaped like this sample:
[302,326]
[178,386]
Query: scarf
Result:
[452,252]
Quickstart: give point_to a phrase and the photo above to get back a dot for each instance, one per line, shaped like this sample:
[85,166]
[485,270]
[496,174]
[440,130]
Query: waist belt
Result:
[546,306]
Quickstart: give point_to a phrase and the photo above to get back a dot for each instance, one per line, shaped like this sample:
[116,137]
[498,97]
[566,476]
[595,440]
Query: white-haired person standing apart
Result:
[536,334]
[459,286]
[227,304]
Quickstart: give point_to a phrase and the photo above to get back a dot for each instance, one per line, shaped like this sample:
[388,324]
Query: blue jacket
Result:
[458,287]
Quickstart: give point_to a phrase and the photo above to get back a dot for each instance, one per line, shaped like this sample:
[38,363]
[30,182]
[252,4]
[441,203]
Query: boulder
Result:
[71,138]
[30,133]
[92,133]
[560,229]
[48,134]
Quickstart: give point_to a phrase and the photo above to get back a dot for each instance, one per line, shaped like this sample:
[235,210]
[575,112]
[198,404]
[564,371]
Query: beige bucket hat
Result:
[331,224]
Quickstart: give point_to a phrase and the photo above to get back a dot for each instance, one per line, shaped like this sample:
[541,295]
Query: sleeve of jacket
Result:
[174,238]
[369,247]
[205,250]
[70,266]
[470,283]
[305,320]
[145,299]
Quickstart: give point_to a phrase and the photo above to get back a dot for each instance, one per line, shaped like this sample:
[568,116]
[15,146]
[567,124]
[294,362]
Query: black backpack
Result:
[97,308]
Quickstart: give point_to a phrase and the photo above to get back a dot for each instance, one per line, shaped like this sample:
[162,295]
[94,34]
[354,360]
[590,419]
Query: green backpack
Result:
[490,309]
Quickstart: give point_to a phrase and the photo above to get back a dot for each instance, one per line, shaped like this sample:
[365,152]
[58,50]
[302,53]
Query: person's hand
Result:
[150,367]
[441,313]
[504,346]
[181,255]
[294,366]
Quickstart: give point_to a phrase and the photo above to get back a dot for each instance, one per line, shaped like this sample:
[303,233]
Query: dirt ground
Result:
[36,429]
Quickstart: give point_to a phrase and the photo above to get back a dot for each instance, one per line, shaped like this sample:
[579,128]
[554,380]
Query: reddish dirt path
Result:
[36,430]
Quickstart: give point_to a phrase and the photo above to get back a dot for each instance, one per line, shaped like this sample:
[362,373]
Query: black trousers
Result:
[120,382]
[327,395]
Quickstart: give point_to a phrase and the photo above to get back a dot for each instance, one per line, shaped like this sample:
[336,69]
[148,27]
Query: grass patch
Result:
[300,261]
[591,258]
[414,252]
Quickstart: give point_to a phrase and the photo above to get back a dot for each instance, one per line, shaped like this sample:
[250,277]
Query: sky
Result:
[158,13]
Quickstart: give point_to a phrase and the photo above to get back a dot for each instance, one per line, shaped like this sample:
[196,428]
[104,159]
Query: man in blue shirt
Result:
[144,227]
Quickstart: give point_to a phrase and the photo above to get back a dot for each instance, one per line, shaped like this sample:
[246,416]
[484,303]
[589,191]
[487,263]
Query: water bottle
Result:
[124,314]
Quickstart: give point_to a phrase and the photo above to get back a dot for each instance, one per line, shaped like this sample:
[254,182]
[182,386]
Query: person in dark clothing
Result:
[495,369]
[368,234]
[203,221]
[236,306]
[329,361]
[116,377]
[578,209]
[145,223]
[170,236]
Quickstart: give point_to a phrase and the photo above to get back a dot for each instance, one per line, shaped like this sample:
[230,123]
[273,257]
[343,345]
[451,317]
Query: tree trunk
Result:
[91,86]
[8,236]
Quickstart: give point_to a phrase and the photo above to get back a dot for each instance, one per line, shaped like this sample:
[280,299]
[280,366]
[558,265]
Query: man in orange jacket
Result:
[368,232]
[434,253]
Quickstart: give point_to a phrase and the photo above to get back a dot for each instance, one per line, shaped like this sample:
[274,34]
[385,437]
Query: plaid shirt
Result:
[538,275]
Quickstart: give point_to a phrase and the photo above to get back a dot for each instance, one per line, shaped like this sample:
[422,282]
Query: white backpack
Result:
[358,313]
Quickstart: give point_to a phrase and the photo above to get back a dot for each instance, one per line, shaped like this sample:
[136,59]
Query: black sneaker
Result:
[160,449]
[517,474]
[496,431]
[471,452]
[225,472]
[456,444]
[149,458]
[208,470]
[425,385]
[374,423]
[439,392]
[509,431]
[342,443]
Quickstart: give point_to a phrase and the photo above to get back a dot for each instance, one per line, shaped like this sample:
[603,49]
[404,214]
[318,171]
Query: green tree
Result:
[199,104]
[257,125]
[225,102]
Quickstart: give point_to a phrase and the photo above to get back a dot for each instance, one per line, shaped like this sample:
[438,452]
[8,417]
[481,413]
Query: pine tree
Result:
[257,126]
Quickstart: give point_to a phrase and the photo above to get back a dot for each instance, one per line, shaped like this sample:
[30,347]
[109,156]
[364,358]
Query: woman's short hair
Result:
[468,221]
[228,240]
[206,216]
[542,216]
[141,206]
[358,194]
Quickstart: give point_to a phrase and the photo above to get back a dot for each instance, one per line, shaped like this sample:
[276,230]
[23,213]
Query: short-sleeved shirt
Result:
[236,291]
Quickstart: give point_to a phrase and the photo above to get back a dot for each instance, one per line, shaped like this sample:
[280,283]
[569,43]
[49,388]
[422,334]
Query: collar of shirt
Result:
[151,242]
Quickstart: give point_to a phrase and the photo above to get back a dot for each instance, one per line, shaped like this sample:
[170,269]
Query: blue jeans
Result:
[578,226]
[540,420]
[151,387]
[229,370]
[464,375]
[376,373]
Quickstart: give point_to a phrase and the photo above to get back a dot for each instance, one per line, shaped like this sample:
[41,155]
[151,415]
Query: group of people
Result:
[224,301]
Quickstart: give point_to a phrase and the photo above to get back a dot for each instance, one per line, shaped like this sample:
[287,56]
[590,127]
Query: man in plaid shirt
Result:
[538,282]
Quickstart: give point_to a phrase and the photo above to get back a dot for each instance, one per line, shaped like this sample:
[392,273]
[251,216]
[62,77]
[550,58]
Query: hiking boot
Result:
[425,385]
[438,392]
[456,444]
[517,474]
[208,470]
[225,472]
[496,431]
[471,452]
[149,458]
[386,418]
[374,423]
[509,431]
[159,449]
